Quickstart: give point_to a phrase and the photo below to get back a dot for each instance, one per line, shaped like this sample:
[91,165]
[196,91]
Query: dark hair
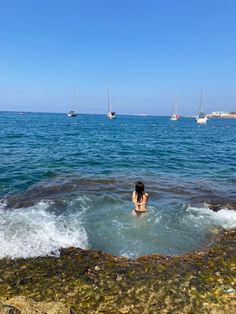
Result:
[139,189]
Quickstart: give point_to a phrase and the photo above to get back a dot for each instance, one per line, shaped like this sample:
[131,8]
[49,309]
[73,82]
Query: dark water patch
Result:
[14,136]
[58,189]
[161,190]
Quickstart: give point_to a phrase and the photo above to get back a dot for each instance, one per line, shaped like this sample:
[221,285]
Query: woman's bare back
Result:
[140,207]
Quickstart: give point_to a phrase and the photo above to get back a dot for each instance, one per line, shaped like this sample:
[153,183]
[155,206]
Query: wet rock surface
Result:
[84,281]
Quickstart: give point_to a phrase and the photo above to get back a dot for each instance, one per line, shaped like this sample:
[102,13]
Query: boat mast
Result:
[200,104]
[73,106]
[109,100]
[174,107]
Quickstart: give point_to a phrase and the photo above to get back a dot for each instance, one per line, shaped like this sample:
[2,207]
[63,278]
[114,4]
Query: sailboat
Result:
[110,114]
[201,117]
[174,116]
[72,113]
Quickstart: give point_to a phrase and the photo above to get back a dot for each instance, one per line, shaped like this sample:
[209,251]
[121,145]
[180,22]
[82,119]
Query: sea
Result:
[68,182]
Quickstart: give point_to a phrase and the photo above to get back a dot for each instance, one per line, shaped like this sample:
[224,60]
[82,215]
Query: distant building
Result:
[219,113]
[222,114]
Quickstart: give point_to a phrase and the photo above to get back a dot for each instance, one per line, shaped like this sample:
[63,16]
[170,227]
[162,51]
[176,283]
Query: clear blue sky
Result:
[148,50]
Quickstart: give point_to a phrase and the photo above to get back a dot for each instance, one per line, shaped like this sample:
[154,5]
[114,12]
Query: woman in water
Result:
[139,198]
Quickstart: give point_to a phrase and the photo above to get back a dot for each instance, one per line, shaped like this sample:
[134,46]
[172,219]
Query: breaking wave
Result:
[204,216]
[35,231]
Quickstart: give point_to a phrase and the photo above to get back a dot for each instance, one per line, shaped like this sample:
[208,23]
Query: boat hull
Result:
[174,117]
[72,114]
[111,115]
[201,120]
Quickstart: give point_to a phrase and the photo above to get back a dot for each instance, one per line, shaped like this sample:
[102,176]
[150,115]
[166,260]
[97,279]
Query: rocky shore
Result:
[84,281]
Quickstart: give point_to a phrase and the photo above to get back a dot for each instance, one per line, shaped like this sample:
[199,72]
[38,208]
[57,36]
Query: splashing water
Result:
[34,231]
[82,222]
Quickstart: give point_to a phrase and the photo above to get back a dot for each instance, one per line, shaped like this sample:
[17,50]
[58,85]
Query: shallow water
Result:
[68,182]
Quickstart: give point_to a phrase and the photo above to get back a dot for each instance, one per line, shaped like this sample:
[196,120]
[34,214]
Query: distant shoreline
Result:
[228,116]
[210,116]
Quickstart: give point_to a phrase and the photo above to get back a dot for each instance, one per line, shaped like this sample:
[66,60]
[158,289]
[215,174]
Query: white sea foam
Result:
[3,203]
[83,202]
[223,218]
[129,254]
[35,231]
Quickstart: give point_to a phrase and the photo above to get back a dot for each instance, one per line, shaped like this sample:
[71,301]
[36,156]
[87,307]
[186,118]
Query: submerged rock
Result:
[84,281]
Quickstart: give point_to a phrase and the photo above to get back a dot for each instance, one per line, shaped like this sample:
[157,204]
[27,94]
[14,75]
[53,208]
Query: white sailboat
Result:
[201,117]
[174,116]
[110,114]
[72,113]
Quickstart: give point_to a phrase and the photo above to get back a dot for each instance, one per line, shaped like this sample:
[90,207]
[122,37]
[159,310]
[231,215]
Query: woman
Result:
[139,198]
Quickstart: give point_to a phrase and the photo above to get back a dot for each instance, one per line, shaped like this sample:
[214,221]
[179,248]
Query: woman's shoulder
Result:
[134,195]
[146,194]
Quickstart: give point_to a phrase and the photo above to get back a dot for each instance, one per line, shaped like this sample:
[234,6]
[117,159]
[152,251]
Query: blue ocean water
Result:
[68,182]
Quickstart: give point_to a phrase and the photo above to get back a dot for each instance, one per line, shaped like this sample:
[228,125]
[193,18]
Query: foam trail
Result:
[34,231]
[224,218]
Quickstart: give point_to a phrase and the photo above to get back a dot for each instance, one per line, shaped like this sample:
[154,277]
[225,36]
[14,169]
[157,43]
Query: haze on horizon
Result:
[148,51]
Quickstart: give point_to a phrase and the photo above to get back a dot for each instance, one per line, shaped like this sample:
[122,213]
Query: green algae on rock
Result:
[84,281]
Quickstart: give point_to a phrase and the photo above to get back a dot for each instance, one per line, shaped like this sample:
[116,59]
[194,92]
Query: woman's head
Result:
[139,189]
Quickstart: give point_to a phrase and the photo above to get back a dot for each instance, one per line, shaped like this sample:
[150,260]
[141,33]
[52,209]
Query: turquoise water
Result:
[68,182]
